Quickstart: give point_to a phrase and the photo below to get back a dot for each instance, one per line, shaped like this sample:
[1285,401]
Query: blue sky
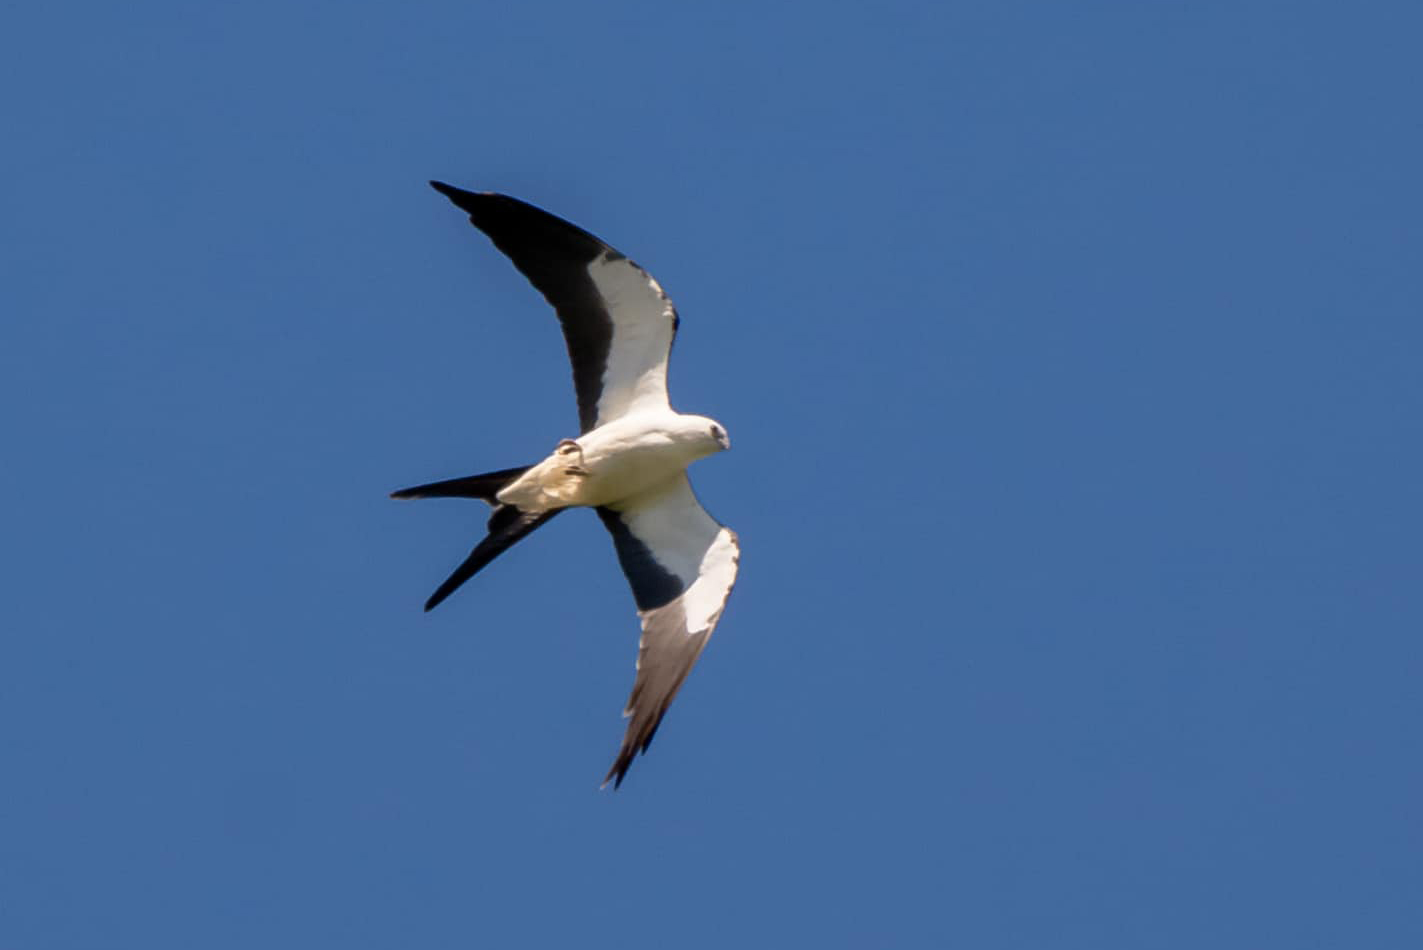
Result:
[1070,353]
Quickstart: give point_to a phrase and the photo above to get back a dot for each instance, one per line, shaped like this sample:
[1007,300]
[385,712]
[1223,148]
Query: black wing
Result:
[616,320]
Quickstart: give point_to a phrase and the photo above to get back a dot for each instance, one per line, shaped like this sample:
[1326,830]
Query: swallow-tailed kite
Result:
[630,461]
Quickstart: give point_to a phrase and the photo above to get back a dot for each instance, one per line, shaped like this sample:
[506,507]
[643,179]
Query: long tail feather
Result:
[506,526]
[484,487]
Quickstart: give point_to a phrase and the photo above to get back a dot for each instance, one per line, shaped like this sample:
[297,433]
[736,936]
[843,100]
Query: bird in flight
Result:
[629,462]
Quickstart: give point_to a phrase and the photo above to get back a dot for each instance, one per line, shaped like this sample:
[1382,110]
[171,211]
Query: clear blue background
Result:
[1070,352]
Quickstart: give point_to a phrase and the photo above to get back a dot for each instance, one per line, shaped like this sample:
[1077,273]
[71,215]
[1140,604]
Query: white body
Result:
[617,461]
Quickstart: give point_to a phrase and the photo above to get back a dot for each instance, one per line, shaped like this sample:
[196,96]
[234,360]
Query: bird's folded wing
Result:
[616,320]
[681,564]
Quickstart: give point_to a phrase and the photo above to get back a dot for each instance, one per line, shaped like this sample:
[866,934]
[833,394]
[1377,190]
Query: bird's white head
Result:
[708,435]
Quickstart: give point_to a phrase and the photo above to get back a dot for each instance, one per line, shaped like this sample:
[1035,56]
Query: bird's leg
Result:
[569,447]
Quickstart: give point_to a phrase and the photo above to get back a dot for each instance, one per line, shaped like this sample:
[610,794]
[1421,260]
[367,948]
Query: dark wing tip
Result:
[636,743]
[526,233]
[466,200]
[619,769]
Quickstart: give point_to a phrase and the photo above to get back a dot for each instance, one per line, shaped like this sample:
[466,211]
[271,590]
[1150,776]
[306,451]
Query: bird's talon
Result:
[568,446]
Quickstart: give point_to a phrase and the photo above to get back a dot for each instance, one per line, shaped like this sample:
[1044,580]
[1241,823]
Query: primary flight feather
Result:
[629,462]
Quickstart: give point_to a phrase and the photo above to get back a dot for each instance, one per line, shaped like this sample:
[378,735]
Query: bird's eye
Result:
[718,434]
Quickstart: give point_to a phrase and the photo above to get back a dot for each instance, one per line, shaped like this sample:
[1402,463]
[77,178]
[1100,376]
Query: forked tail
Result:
[507,523]
[484,487]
